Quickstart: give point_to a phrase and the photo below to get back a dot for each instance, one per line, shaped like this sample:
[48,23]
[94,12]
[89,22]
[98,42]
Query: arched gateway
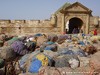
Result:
[75,15]
[73,23]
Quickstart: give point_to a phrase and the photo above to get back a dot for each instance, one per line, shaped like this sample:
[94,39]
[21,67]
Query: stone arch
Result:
[73,23]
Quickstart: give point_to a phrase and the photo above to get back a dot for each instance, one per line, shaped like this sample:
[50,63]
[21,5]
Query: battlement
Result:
[25,23]
[17,27]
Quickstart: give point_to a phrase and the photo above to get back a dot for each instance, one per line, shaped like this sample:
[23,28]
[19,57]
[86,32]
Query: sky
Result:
[39,9]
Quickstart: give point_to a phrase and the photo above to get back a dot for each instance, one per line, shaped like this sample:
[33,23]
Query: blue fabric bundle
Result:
[48,48]
[81,53]
[50,42]
[23,60]
[82,43]
[51,47]
[70,52]
[62,50]
[35,65]
[66,51]
[63,61]
[39,34]
[19,48]
[83,34]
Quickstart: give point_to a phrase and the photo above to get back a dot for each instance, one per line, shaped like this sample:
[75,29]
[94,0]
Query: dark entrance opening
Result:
[74,23]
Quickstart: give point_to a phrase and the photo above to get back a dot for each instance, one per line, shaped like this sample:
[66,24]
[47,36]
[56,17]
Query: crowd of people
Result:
[79,30]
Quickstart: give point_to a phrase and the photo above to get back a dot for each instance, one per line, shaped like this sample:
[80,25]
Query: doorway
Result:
[73,23]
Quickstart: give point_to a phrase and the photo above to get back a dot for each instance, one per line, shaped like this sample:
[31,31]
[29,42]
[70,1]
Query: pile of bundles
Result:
[14,47]
[51,54]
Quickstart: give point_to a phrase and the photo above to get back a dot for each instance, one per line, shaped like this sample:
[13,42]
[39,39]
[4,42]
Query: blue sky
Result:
[39,9]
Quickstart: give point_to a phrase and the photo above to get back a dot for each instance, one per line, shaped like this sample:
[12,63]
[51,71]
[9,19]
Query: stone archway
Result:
[72,24]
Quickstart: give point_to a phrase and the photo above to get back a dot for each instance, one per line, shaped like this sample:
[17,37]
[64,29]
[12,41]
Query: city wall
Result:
[30,27]
[21,27]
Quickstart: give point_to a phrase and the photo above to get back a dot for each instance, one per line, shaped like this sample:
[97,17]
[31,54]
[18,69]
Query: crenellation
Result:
[4,22]
[17,21]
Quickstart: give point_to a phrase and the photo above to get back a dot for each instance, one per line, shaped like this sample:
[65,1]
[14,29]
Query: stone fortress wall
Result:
[21,27]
